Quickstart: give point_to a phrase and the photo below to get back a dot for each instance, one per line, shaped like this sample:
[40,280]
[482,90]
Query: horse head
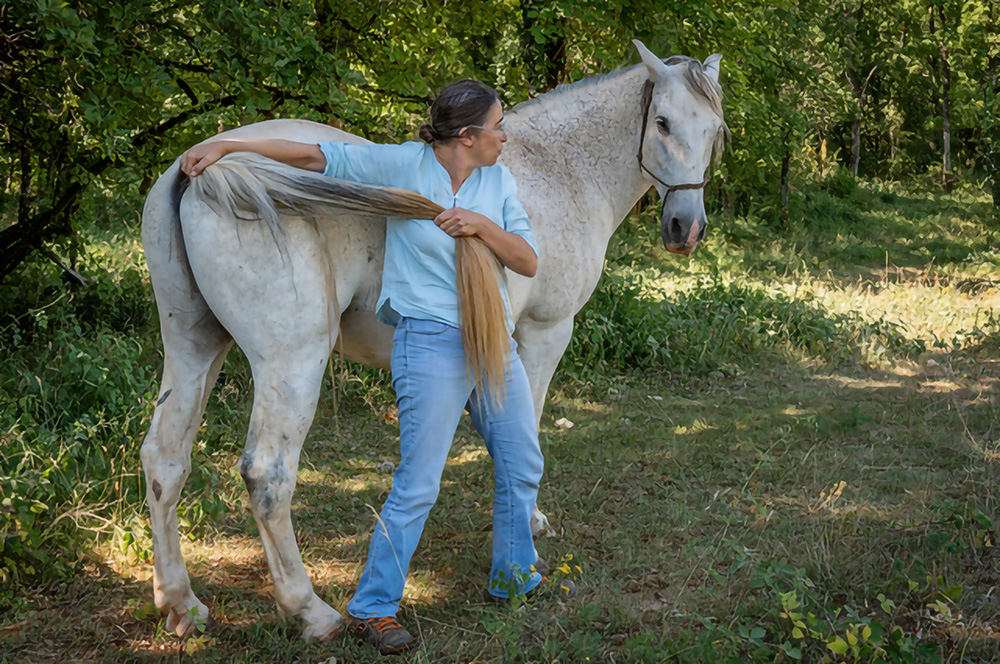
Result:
[683,126]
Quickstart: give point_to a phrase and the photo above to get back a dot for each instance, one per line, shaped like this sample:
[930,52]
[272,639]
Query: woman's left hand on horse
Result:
[458,222]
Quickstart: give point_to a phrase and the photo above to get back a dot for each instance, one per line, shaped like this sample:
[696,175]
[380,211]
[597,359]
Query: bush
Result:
[79,383]
[715,326]
[838,182]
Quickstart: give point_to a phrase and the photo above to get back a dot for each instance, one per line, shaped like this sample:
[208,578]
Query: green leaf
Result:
[838,646]
[791,650]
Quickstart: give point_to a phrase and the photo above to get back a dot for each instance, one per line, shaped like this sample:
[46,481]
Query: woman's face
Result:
[487,144]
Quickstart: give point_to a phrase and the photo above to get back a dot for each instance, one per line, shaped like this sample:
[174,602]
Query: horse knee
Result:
[165,472]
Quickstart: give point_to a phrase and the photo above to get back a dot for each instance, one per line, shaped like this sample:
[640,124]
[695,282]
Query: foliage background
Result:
[827,102]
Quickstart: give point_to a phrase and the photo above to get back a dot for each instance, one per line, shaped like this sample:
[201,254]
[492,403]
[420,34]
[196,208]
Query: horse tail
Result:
[248,186]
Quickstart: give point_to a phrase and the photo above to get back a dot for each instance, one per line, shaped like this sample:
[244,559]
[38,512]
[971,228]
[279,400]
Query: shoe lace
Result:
[384,624]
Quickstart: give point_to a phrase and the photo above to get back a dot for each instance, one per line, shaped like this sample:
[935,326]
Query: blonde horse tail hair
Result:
[245,186]
[483,316]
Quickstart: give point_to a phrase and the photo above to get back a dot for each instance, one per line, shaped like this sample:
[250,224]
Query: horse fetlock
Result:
[170,594]
[296,598]
[540,526]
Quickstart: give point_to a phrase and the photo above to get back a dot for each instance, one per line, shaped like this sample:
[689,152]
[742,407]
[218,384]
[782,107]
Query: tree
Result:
[97,87]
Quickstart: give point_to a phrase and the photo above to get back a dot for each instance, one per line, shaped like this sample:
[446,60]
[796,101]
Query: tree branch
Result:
[52,256]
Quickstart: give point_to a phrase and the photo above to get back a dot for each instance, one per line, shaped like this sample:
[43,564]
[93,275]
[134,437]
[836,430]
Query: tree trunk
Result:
[785,166]
[851,71]
[945,120]
[822,152]
[992,140]
[855,146]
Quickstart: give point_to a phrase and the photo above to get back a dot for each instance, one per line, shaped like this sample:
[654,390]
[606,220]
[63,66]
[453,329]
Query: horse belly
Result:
[363,337]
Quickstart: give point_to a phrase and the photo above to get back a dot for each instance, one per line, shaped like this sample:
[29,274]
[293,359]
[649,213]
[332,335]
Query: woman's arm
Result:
[512,250]
[302,155]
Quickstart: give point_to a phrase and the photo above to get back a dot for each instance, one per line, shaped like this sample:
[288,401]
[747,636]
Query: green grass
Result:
[786,429]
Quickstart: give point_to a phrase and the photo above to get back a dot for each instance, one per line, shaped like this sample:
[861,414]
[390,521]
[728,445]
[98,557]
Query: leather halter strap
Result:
[647,99]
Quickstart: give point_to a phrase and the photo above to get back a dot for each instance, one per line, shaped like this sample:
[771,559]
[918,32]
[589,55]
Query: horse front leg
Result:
[541,346]
[193,356]
[286,389]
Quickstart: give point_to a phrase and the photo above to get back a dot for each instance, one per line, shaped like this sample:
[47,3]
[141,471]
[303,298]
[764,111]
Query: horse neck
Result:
[585,137]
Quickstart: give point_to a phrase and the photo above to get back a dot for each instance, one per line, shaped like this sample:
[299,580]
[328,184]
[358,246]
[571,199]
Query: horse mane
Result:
[694,76]
[564,88]
[696,80]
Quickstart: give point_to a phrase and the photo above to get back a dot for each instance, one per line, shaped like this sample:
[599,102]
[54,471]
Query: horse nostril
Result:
[701,233]
[675,231]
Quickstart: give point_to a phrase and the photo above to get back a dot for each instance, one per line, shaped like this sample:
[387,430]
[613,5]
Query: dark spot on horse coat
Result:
[245,465]
[157,489]
[163,397]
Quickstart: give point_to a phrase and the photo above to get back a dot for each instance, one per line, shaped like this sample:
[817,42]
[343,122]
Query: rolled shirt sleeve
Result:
[370,163]
[515,219]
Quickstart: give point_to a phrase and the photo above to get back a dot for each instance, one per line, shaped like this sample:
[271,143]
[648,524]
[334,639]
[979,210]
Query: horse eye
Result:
[663,125]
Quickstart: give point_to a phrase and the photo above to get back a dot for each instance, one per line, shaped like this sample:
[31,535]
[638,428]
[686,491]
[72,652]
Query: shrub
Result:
[715,326]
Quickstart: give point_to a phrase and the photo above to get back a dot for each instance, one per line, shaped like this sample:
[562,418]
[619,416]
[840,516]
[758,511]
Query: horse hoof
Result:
[188,623]
[333,632]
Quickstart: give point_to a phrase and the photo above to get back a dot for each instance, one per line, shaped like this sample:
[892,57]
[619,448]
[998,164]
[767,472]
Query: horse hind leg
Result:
[195,346]
[540,348]
[286,390]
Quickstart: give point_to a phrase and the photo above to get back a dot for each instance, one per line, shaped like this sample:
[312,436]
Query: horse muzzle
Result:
[680,237]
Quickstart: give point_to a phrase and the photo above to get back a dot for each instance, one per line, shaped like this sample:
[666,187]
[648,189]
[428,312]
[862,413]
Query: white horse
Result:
[573,153]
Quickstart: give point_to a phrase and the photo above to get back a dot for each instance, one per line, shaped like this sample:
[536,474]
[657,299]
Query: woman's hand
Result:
[459,222]
[200,157]
[512,250]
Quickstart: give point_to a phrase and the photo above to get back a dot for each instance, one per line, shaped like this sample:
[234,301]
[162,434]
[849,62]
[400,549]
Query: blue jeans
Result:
[432,390]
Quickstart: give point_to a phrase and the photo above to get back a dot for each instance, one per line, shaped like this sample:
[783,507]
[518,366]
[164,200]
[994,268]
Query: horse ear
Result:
[657,70]
[711,66]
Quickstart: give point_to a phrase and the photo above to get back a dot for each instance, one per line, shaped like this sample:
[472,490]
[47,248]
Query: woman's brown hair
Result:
[458,105]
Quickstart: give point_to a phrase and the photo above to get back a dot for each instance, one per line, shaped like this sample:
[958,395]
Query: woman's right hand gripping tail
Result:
[203,155]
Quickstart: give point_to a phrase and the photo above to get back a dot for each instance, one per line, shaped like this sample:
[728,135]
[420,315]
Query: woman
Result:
[456,168]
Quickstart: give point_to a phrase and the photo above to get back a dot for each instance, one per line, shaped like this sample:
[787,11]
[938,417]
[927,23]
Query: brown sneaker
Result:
[386,634]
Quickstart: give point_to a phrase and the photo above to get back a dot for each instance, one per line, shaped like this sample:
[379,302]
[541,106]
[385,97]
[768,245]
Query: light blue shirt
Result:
[418,278]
